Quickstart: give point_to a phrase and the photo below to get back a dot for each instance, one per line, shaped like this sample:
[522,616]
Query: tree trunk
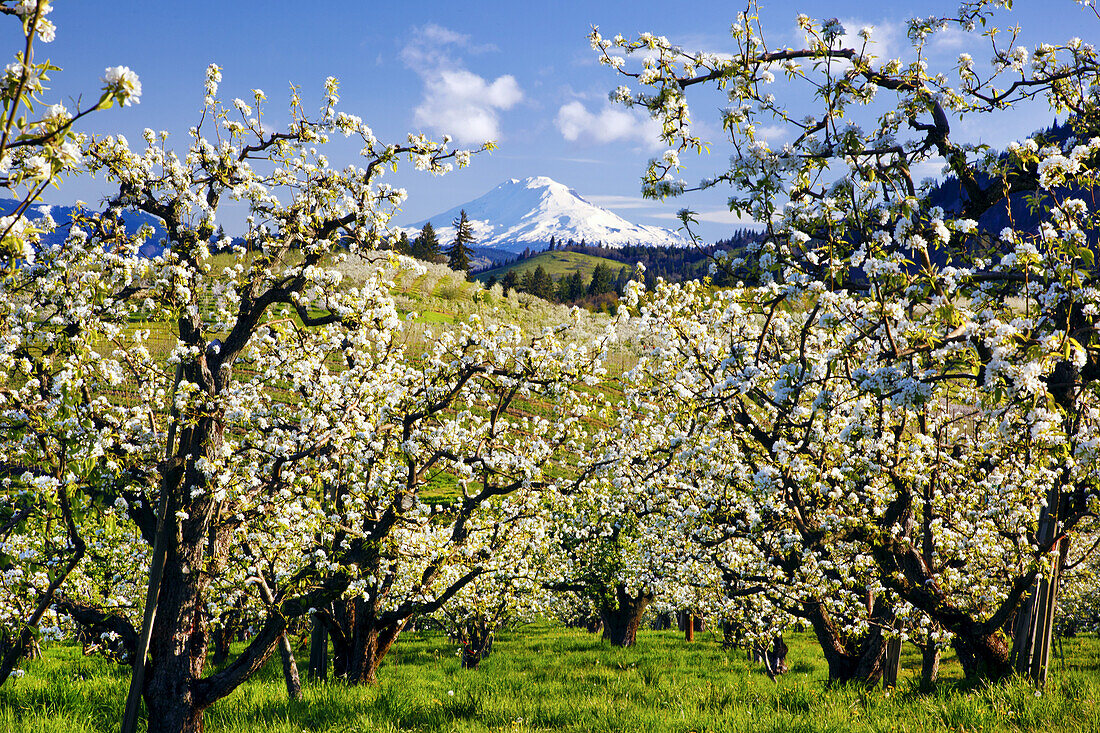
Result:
[773,657]
[929,666]
[290,669]
[371,645]
[178,645]
[732,635]
[621,621]
[859,660]
[361,641]
[222,639]
[341,631]
[477,645]
[688,622]
[983,656]
[229,625]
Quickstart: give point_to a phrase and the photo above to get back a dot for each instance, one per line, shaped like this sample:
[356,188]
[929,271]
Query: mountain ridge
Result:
[527,213]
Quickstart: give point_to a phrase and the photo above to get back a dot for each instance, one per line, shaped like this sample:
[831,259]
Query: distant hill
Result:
[556,264]
[530,213]
[63,215]
[1016,212]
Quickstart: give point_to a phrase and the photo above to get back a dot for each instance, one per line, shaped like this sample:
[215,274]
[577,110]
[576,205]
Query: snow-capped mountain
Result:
[526,213]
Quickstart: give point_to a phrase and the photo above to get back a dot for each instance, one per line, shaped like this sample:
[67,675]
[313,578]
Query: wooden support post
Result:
[893,662]
[689,626]
[1044,626]
[1035,620]
[290,666]
[1024,632]
[318,650]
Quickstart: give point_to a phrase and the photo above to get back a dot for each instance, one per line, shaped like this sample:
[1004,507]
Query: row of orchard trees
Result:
[893,435]
[275,456]
[895,432]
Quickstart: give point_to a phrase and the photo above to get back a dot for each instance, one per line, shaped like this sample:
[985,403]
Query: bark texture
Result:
[622,618]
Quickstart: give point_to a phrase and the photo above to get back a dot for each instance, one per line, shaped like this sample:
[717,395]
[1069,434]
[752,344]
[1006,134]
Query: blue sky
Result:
[520,72]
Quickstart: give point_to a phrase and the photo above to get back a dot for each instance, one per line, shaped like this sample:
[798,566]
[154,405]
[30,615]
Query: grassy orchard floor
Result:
[547,678]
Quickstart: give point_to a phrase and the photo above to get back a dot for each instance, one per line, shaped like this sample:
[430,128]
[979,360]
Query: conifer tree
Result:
[576,286]
[622,280]
[542,285]
[527,282]
[426,245]
[458,254]
[601,280]
[403,245]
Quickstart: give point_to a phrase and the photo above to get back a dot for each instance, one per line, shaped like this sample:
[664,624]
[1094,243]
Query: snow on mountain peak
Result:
[521,213]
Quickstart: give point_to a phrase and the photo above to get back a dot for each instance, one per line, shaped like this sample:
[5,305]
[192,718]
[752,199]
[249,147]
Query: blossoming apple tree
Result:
[907,381]
[250,415]
[40,544]
[620,525]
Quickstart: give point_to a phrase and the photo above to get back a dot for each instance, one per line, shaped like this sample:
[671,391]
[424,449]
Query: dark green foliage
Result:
[538,282]
[403,245]
[571,287]
[601,281]
[426,245]
[458,254]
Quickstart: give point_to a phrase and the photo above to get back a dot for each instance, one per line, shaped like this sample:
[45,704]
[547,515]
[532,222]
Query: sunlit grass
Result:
[549,678]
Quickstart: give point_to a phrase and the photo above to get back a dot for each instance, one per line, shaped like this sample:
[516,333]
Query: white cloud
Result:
[611,124]
[717,216]
[884,37]
[773,135]
[613,201]
[952,39]
[457,101]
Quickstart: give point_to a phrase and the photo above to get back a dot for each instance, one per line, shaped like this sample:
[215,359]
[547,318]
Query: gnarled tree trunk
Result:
[622,618]
[361,640]
[851,659]
[177,647]
[477,643]
[983,655]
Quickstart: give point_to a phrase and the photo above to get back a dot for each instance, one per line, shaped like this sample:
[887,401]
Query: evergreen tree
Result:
[509,282]
[527,282]
[458,254]
[576,286]
[542,285]
[426,245]
[218,241]
[403,246]
[601,280]
[622,280]
[562,290]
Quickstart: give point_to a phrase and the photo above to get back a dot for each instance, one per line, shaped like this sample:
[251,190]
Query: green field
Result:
[557,264]
[549,678]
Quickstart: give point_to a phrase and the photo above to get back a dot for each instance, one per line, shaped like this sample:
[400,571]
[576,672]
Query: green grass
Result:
[547,678]
[557,264]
